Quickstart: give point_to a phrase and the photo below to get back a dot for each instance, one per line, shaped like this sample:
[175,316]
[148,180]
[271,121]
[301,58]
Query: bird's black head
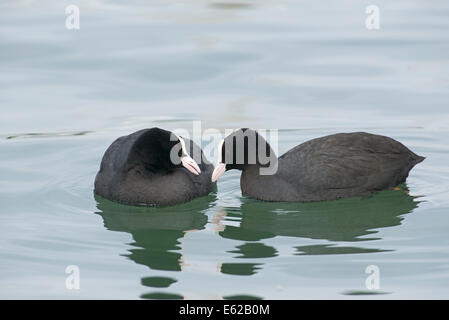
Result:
[161,150]
[242,148]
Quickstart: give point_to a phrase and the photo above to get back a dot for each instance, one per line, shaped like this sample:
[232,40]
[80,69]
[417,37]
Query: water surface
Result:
[306,69]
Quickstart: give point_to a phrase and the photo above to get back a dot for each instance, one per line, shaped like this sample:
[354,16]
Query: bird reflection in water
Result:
[345,220]
[156,233]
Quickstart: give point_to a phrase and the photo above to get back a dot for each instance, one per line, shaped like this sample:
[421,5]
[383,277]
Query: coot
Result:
[153,167]
[327,168]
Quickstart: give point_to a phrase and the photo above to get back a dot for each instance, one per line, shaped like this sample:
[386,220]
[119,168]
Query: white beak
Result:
[190,164]
[220,168]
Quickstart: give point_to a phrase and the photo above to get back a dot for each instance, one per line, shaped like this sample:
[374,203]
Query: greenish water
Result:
[306,69]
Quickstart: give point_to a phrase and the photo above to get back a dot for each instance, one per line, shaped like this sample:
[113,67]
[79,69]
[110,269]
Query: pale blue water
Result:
[306,68]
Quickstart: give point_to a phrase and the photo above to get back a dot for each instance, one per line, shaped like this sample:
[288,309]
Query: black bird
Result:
[327,168]
[153,167]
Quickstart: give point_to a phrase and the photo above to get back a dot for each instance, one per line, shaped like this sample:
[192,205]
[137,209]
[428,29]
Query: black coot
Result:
[153,167]
[332,167]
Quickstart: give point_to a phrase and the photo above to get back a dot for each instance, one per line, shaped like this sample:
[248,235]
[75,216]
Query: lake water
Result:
[307,69]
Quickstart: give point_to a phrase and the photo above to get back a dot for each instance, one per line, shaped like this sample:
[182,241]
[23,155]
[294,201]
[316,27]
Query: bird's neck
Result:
[260,184]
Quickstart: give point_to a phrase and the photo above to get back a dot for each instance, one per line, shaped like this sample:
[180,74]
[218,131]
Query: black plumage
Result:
[137,170]
[327,168]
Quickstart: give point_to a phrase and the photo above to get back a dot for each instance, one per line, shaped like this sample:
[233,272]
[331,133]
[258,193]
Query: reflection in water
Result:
[157,282]
[47,134]
[255,250]
[156,233]
[240,269]
[332,249]
[161,295]
[242,297]
[364,292]
[341,220]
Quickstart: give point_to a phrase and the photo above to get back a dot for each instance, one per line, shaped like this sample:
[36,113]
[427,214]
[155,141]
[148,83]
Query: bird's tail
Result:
[419,159]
